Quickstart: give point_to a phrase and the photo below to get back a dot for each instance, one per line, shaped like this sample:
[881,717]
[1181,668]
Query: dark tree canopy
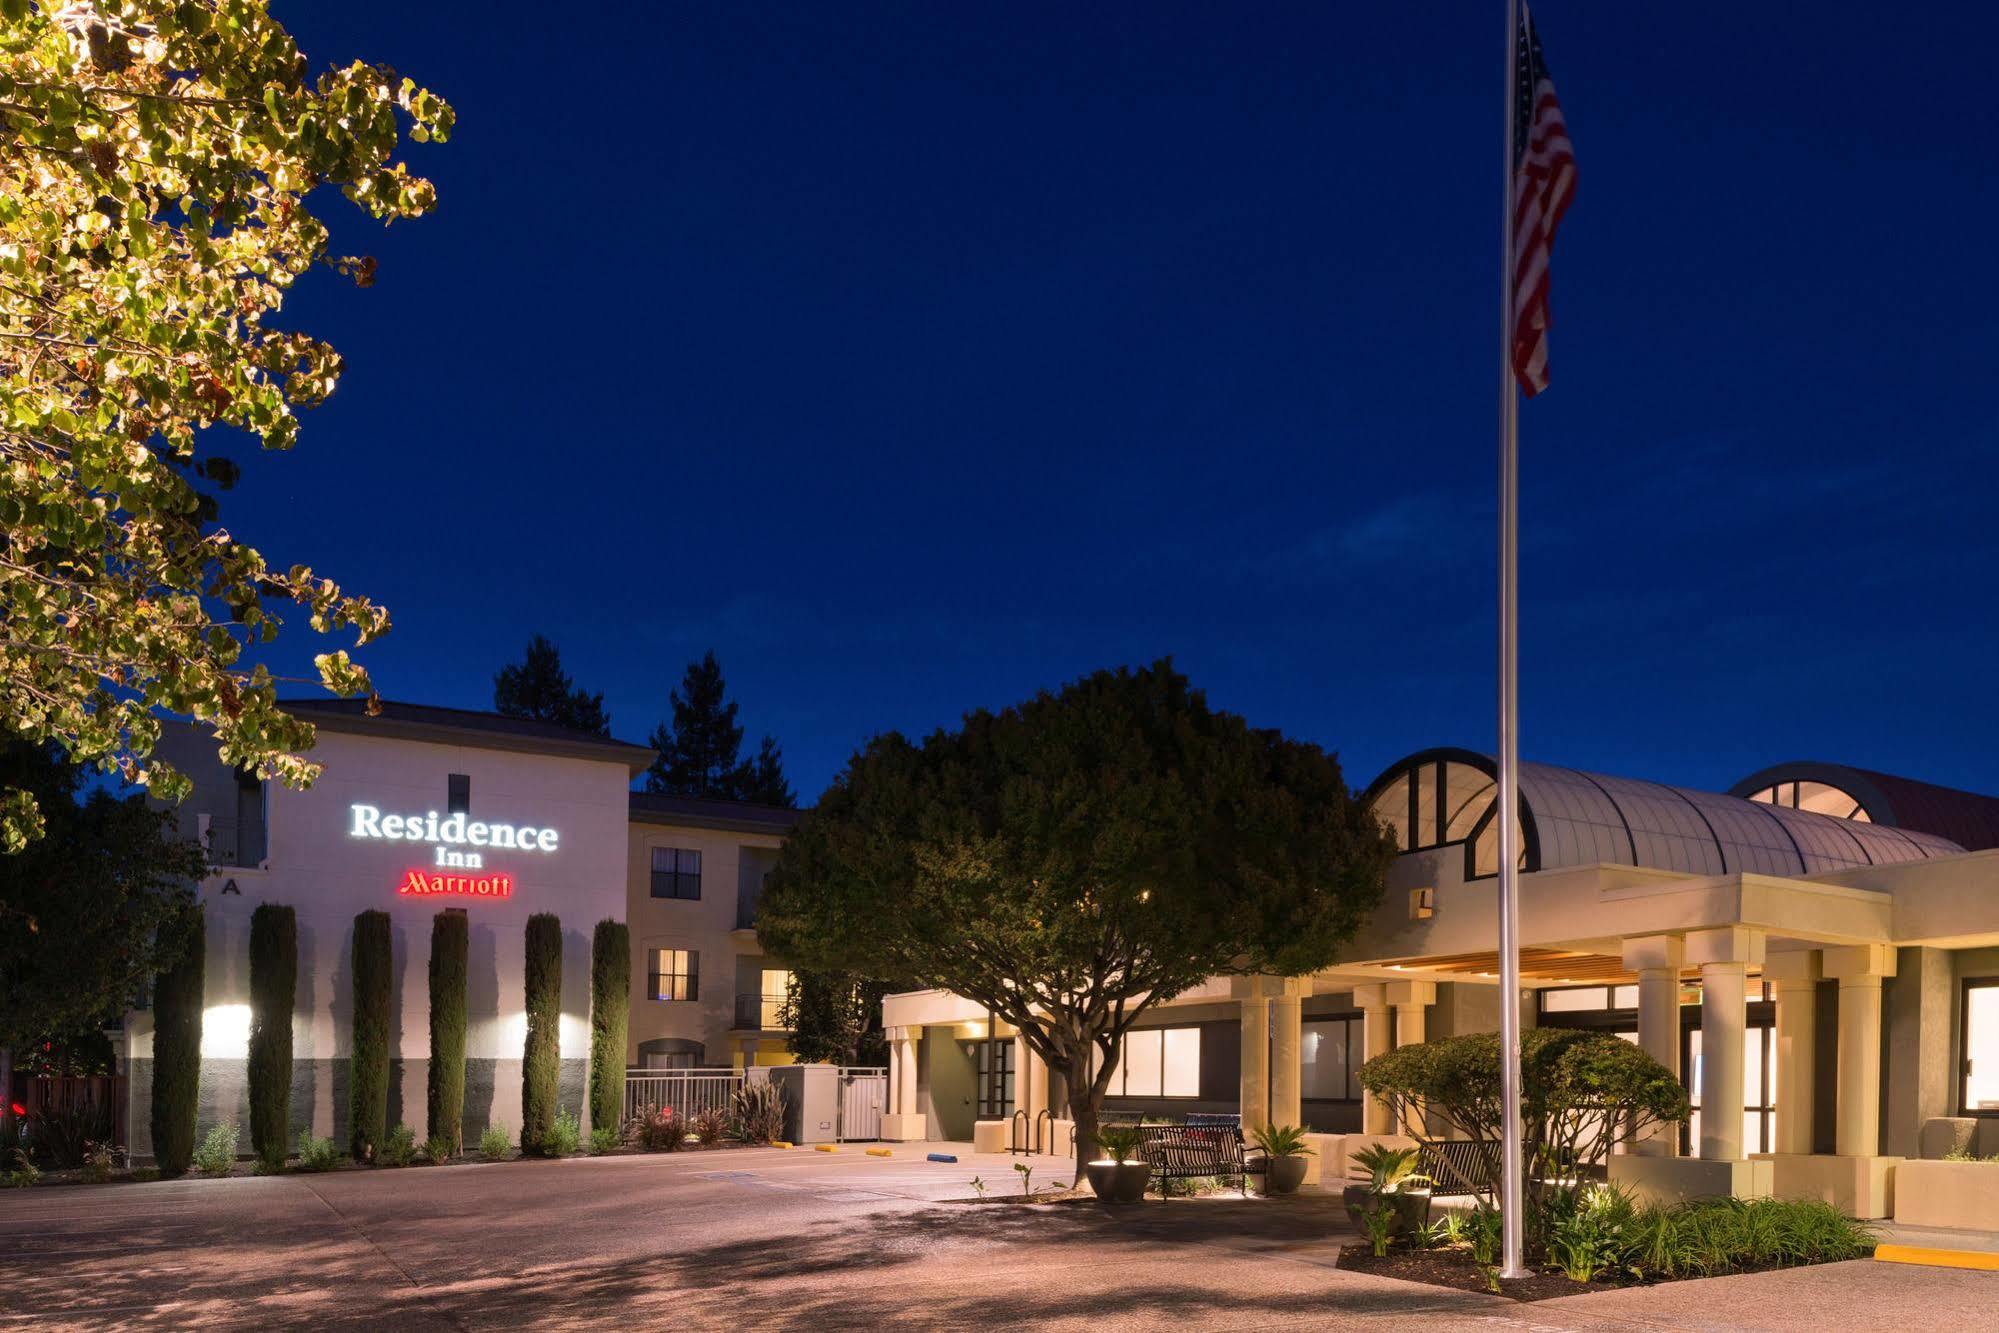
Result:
[538,689]
[1071,861]
[835,1018]
[89,912]
[698,752]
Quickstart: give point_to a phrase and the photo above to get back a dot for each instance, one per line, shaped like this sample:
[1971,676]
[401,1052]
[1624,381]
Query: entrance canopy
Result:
[1446,797]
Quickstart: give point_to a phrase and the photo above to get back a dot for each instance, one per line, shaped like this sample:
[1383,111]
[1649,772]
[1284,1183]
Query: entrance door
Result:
[995,1063]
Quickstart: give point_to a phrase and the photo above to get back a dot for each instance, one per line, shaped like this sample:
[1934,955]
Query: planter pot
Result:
[1283,1175]
[1118,1182]
[1412,1208]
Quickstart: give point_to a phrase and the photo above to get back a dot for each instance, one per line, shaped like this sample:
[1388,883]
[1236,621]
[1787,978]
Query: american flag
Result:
[1544,181]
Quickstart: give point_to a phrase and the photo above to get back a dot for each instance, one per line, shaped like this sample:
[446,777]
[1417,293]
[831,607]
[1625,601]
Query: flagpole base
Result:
[1514,1274]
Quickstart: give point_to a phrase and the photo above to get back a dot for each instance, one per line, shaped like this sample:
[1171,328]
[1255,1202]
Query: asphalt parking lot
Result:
[768,1238]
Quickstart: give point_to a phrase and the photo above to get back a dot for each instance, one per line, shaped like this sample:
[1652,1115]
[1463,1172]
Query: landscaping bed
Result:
[1455,1269]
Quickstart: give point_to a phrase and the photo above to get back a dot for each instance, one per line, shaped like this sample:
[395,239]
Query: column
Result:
[1724,957]
[1255,1100]
[1377,1038]
[1286,1106]
[905,1073]
[1657,960]
[1859,970]
[1793,978]
[1030,1079]
[1410,1000]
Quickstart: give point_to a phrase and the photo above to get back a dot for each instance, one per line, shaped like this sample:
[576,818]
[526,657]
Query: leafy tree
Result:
[153,215]
[835,1017]
[698,753]
[539,689]
[1580,1092]
[91,912]
[1076,859]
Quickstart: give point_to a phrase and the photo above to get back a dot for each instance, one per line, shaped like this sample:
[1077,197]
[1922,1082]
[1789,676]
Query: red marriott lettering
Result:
[419,884]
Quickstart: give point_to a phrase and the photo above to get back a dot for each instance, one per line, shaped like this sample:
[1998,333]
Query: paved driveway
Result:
[796,1240]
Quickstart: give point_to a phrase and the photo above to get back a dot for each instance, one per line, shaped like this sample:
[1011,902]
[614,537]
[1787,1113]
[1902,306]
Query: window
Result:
[1981,1046]
[1159,1062]
[776,989]
[676,873]
[1817,797]
[676,974]
[458,794]
[1329,1051]
[995,1074]
[1759,1080]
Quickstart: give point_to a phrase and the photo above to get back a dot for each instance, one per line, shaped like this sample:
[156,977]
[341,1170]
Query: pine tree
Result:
[699,752]
[540,690]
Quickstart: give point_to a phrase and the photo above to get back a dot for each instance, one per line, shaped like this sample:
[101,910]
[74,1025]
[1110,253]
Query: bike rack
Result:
[1019,1134]
[1041,1118]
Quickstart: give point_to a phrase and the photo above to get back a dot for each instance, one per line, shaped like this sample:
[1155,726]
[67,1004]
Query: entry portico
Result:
[1762,950]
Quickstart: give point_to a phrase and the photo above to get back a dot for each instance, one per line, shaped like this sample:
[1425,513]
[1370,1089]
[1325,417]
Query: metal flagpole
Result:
[1511,1258]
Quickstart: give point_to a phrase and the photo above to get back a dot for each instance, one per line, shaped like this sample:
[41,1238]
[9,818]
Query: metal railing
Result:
[687,1091]
[754,1013]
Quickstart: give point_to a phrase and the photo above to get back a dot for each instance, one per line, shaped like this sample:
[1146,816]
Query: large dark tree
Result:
[699,751]
[90,911]
[835,1018]
[1076,859]
[537,688]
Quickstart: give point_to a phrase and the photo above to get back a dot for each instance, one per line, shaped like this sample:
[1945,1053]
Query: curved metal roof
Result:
[1964,817]
[1573,818]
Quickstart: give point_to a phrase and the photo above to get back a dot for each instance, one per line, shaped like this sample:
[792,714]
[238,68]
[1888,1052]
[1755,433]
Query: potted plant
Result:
[1386,1177]
[1284,1152]
[1120,1175]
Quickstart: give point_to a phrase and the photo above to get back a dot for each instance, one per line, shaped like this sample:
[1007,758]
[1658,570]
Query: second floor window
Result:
[676,974]
[676,873]
[776,989]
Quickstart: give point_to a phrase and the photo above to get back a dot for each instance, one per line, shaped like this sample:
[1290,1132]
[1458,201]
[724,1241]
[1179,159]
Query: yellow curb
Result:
[779,1143]
[880,1152]
[1916,1254]
[824,1147]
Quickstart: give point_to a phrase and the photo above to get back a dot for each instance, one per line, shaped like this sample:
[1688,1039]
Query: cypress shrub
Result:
[541,1060]
[368,1066]
[445,1103]
[177,997]
[273,992]
[610,1016]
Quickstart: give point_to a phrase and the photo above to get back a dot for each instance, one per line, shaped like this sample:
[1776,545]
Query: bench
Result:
[1457,1166]
[1191,1152]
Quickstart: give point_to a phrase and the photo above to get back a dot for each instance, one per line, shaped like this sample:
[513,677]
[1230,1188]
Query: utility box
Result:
[811,1101]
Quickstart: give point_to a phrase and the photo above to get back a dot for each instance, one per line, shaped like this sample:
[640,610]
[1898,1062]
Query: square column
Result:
[1724,957]
[1286,1106]
[902,1123]
[1377,1038]
[1254,1105]
[1410,1001]
[1859,970]
[1657,960]
[1793,978]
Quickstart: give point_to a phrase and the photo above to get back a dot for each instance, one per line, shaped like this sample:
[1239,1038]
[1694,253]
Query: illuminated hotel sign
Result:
[449,834]
[416,884]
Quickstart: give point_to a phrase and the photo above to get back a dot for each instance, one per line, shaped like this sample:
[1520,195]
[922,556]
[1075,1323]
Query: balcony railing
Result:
[756,1014]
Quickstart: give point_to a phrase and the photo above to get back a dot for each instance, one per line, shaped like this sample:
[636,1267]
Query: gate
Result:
[863,1097]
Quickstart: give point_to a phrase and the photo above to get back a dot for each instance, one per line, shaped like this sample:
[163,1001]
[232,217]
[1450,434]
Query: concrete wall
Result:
[328,876]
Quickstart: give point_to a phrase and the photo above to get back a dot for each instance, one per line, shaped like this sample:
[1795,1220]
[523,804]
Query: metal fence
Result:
[863,1096]
[687,1091]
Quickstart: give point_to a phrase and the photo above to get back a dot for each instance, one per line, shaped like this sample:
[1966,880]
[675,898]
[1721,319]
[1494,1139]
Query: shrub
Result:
[756,1110]
[22,1173]
[316,1154]
[217,1154]
[438,1148]
[1388,1169]
[62,1134]
[398,1147]
[273,992]
[1580,1093]
[708,1126]
[564,1136]
[603,1139]
[445,1100]
[368,1068]
[658,1130]
[1120,1142]
[177,1004]
[99,1160]
[610,1017]
[1280,1140]
[493,1144]
[1381,1223]
[541,1057]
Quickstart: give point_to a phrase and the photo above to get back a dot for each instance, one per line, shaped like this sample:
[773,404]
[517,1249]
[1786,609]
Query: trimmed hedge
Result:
[368,1066]
[445,1100]
[273,993]
[610,1021]
[177,999]
[541,1058]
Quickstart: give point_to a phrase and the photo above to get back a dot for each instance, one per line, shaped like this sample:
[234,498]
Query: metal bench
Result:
[1191,1152]
[1458,1166]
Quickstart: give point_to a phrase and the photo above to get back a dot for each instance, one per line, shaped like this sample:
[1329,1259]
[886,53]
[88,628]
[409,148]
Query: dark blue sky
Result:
[914,356]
